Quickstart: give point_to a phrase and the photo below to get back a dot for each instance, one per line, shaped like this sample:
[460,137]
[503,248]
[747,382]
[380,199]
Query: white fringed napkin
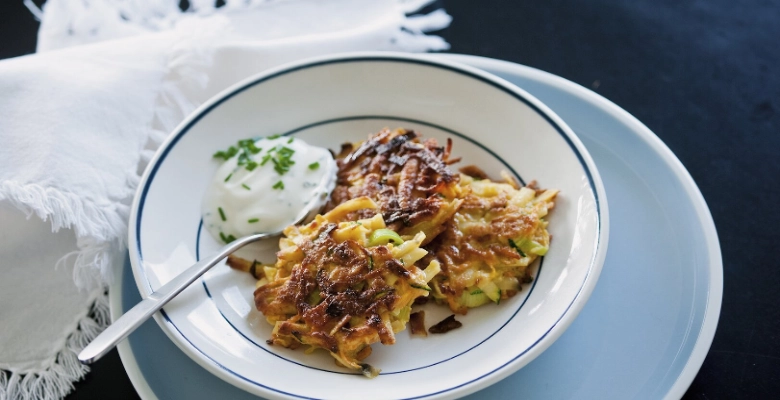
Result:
[79,119]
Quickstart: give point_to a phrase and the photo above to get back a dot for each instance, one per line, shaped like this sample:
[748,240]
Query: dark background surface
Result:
[703,75]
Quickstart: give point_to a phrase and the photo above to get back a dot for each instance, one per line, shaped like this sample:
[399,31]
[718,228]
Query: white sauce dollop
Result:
[254,201]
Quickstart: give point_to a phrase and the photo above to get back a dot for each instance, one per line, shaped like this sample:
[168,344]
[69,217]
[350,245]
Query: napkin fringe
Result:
[56,380]
[412,33]
[66,210]
[67,23]
[98,229]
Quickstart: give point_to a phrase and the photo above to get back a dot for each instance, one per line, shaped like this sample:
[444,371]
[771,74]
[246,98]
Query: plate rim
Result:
[709,324]
[578,301]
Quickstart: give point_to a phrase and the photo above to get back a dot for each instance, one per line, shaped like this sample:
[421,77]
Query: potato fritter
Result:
[408,179]
[342,286]
[486,247]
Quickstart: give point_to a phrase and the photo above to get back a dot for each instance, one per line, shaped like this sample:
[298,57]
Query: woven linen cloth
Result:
[80,119]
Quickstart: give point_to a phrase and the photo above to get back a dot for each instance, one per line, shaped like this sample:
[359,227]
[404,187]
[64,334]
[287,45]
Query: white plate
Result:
[634,338]
[329,101]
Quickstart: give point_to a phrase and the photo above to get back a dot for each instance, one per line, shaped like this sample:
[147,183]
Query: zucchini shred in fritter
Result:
[399,225]
[486,248]
[409,179]
[342,285]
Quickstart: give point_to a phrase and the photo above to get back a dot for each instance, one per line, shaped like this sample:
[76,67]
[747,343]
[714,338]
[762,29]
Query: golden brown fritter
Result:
[407,177]
[337,287]
[487,246]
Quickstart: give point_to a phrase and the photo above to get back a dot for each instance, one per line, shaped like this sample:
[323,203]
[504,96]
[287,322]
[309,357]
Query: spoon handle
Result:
[134,317]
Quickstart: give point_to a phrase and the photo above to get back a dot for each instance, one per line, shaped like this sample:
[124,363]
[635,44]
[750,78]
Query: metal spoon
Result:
[134,317]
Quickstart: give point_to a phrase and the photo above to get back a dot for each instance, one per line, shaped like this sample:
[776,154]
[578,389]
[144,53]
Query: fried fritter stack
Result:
[400,225]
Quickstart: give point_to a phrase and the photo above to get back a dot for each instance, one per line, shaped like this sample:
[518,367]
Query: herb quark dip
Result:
[262,185]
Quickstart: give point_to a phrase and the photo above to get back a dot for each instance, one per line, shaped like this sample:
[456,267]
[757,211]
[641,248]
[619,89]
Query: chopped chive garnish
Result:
[286,151]
[314,166]
[277,136]
[266,158]
[228,177]
[245,149]
[282,160]
[513,245]
[253,220]
[227,154]
[221,214]
[279,185]
[281,156]
[249,145]
[227,239]
[243,185]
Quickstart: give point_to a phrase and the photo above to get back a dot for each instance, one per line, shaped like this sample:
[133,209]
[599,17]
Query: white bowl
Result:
[331,100]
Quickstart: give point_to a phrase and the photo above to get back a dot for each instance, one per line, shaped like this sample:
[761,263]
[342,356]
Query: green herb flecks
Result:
[280,156]
[226,238]
[227,154]
[253,220]
[243,185]
[277,136]
[249,146]
[266,157]
[314,166]
[283,160]
[221,213]
[245,148]
[279,185]
[421,287]
[513,245]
